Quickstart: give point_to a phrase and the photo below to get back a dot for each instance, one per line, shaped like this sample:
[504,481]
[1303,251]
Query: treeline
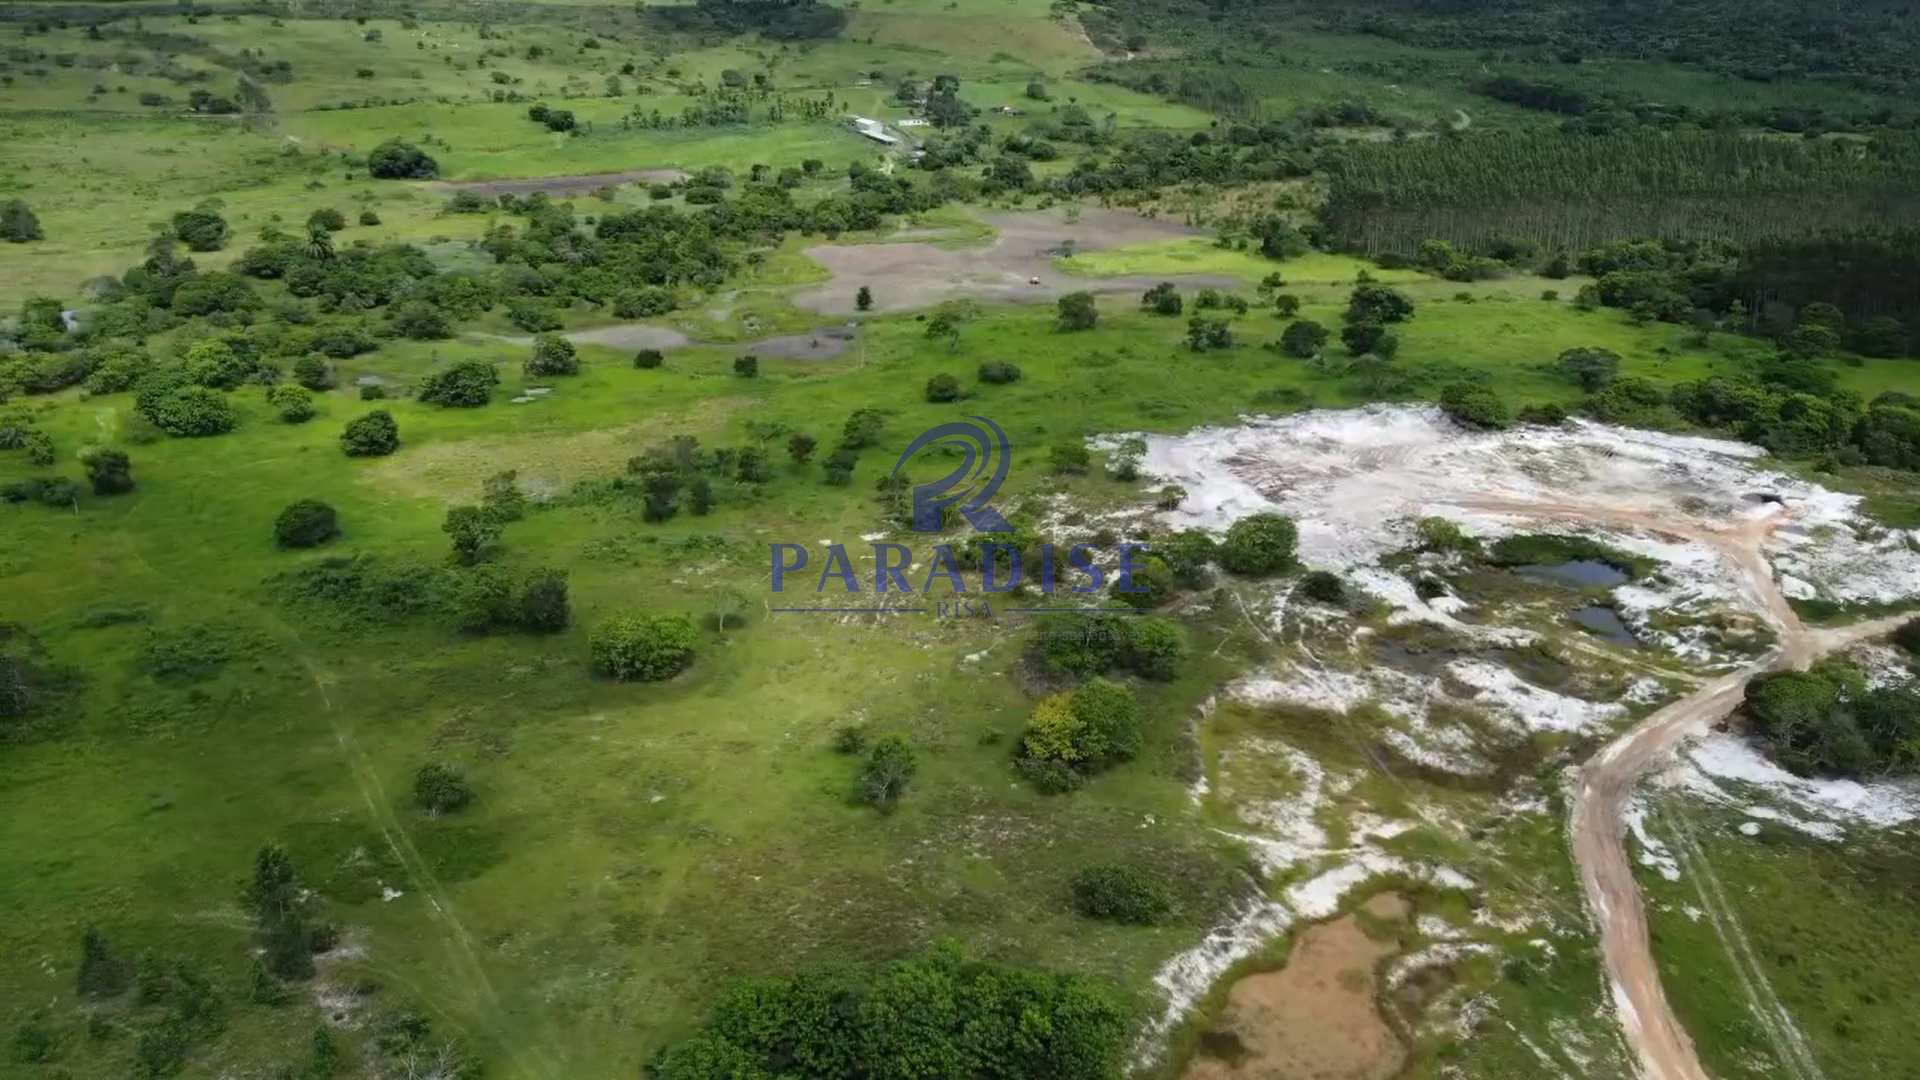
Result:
[784,20]
[1568,192]
[1603,114]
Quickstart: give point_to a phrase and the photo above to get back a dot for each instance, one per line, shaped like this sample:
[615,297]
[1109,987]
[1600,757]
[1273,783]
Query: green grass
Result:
[1830,930]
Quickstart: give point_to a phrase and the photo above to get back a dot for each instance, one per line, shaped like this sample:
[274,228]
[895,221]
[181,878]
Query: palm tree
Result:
[319,243]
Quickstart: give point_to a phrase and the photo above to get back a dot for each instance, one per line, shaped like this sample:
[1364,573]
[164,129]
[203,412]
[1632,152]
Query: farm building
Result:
[874,129]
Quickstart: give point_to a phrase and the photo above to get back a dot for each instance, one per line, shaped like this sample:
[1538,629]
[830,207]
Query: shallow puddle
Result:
[1580,572]
[1316,1017]
[1605,622]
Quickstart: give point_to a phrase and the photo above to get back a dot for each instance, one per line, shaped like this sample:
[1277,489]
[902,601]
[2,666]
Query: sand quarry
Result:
[1732,536]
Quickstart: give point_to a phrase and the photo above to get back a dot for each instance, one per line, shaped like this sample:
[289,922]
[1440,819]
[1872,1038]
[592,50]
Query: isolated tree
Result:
[1369,337]
[863,299]
[1303,338]
[471,529]
[372,435]
[18,224]
[1375,303]
[1162,299]
[746,367]
[944,327]
[1259,544]
[885,773]
[304,524]
[645,648]
[441,789]
[313,372]
[110,472]
[1591,367]
[1475,406]
[326,218]
[544,605]
[800,447]
[1286,305]
[648,359]
[293,402]
[466,385]
[398,160]
[1077,311]
[943,388]
[999,372]
[552,355]
[201,229]
[102,974]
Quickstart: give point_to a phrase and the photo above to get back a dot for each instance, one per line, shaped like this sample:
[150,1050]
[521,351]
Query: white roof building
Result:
[874,129]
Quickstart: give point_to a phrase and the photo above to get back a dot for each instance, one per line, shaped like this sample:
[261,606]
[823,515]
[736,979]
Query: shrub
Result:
[849,739]
[101,973]
[1377,304]
[1259,545]
[1155,648]
[1303,338]
[544,606]
[372,435]
[466,385]
[1087,729]
[471,530]
[643,302]
[534,318]
[552,355]
[884,775]
[1120,893]
[313,372]
[326,218]
[1070,457]
[368,217]
[943,388]
[1162,299]
[837,1020]
[18,224]
[188,411]
[1078,311]
[1286,305]
[304,524]
[421,321]
[294,403]
[1475,406]
[110,472]
[645,648]
[200,230]
[746,367]
[1592,368]
[1440,535]
[1323,587]
[648,359]
[441,789]
[397,160]
[999,372]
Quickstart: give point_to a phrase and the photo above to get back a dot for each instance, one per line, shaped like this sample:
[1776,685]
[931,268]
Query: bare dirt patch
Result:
[579,184]
[631,336]
[452,472]
[823,344]
[1315,1019]
[1015,267]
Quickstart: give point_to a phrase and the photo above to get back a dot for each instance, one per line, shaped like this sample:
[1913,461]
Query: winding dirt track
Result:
[1606,782]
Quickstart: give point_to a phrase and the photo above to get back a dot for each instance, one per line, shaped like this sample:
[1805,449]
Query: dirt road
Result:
[1606,782]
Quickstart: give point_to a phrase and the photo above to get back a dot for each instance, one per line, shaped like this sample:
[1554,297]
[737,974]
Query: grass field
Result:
[1829,931]
[634,847]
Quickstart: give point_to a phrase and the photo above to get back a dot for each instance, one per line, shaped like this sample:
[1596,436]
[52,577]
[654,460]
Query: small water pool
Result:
[1605,622]
[1581,572]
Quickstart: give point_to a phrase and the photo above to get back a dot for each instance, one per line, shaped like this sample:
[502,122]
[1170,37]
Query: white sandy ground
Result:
[1356,481]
